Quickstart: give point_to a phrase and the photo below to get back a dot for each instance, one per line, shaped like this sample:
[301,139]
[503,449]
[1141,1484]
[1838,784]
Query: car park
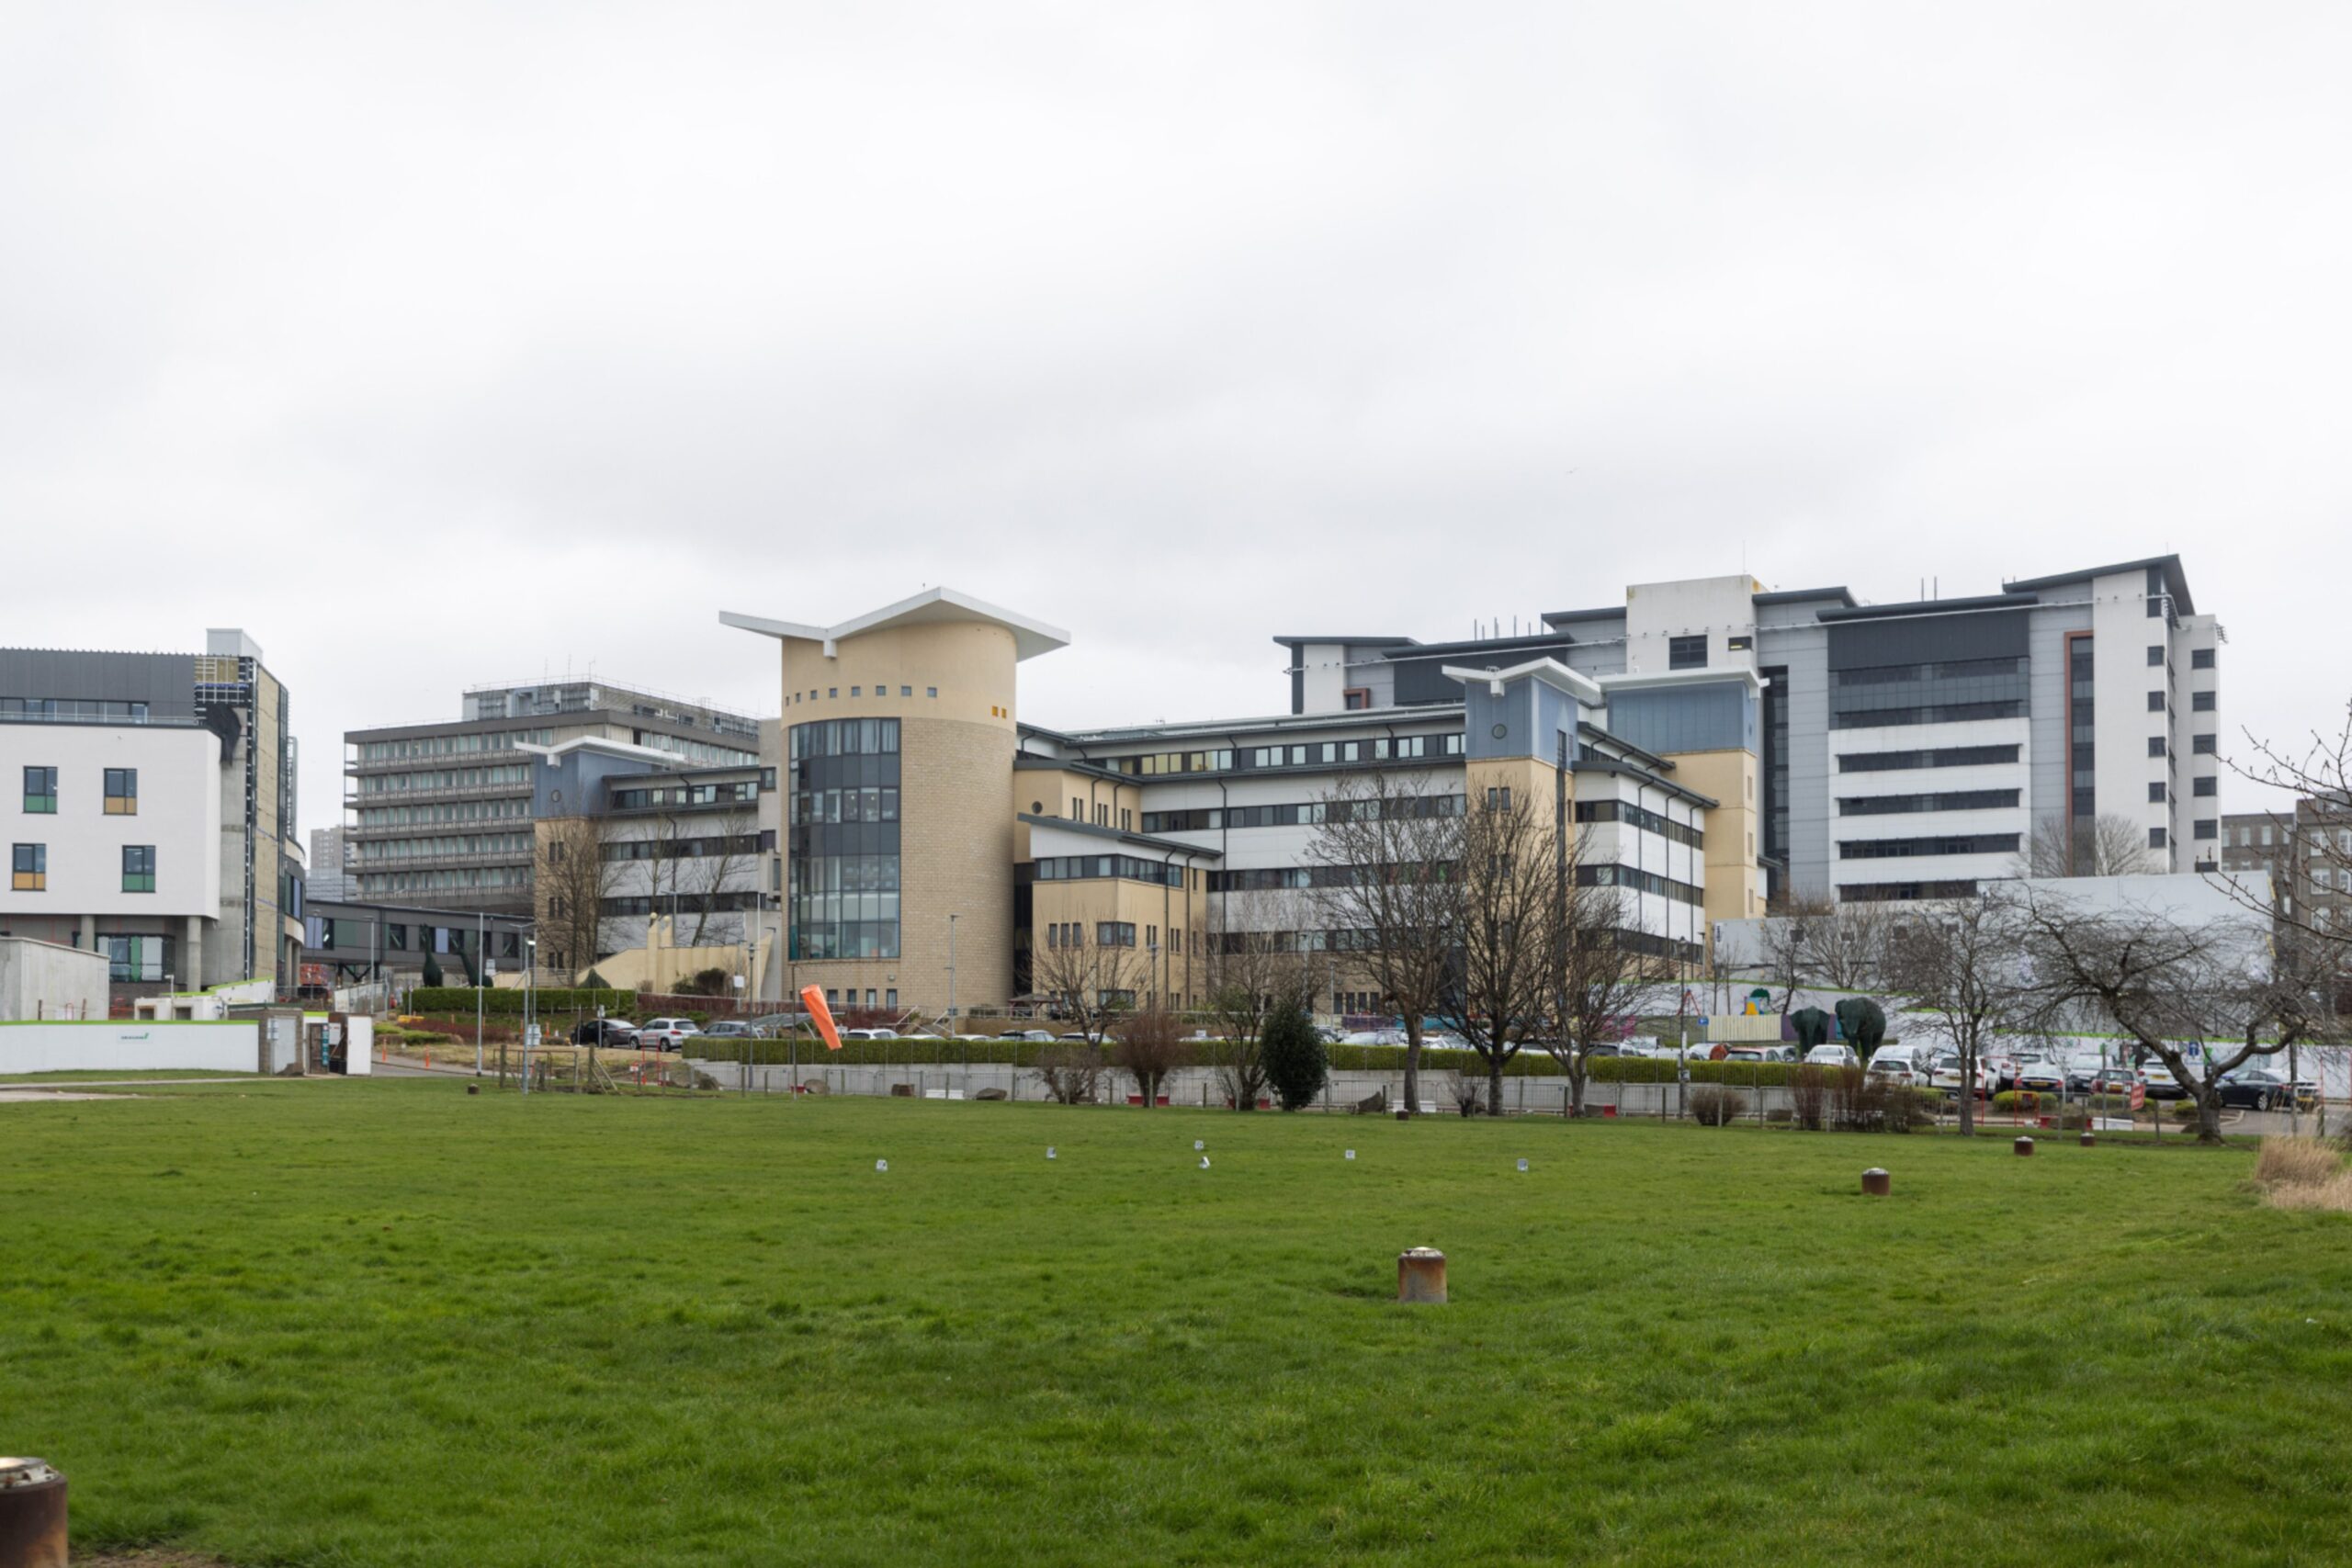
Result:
[1755,1053]
[2160,1082]
[617,1032]
[667,1033]
[1832,1055]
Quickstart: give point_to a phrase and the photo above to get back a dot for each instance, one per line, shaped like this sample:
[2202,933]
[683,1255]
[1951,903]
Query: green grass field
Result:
[388,1322]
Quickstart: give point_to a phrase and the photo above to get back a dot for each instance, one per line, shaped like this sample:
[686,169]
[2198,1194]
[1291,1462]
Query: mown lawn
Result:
[390,1323]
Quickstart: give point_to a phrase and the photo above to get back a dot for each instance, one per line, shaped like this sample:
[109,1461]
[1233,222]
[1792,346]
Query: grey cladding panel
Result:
[2046,744]
[1695,718]
[164,681]
[1925,639]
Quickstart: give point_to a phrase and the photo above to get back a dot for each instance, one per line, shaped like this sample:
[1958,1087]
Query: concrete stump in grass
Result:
[32,1515]
[2023,1145]
[1877,1183]
[1420,1275]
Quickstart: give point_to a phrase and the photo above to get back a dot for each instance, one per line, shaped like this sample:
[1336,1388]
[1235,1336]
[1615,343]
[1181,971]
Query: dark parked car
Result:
[613,1032]
[731,1029]
[2257,1088]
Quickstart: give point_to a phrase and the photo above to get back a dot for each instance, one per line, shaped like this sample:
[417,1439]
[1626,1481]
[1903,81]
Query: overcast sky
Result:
[438,345]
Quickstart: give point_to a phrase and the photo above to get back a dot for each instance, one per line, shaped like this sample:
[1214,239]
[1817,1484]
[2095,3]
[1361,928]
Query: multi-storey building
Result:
[1909,750]
[330,865]
[1715,743]
[2307,854]
[440,814]
[155,821]
[667,840]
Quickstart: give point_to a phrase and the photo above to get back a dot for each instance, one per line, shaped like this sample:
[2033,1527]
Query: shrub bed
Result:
[501,1001]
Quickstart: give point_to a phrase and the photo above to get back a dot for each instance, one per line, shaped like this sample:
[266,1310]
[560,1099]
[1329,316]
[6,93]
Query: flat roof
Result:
[2175,579]
[932,606]
[1141,841]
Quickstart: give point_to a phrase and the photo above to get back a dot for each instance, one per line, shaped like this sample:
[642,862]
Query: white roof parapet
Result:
[629,749]
[931,607]
[1550,672]
[1632,683]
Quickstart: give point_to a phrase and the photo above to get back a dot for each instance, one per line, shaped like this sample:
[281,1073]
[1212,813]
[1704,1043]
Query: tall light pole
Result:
[481,978]
[530,1001]
[951,974]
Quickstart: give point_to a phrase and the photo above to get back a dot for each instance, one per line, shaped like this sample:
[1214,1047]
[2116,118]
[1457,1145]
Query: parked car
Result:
[1034,1036]
[2082,1073]
[2161,1084]
[2257,1088]
[1947,1076]
[1827,1054]
[613,1031]
[869,1034]
[667,1033]
[1374,1037]
[776,1024]
[731,1029]
[2116,1080]
[1749,1053]
[1896,1065]
[2040,1076]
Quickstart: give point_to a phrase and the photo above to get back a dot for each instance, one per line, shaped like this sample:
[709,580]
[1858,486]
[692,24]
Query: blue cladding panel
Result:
[1717,716]
[1532,714]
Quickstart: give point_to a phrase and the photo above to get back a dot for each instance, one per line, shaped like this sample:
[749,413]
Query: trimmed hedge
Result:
[501,1001]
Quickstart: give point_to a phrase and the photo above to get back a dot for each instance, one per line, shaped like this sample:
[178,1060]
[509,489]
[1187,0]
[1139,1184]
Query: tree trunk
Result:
[1495,1085]
[1577,1076]
[1412,1068]
[1967,1097]
[2209,1114]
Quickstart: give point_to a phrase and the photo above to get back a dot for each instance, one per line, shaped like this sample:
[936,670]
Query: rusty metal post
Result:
[2023,1145]
[32,1515]
[1877,1183]
[1420,1275]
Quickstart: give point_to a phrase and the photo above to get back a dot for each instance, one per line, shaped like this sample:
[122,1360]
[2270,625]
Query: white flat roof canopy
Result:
[1549,671]
[932,606]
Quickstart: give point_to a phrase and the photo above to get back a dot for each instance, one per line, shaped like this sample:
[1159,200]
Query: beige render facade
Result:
[1025,836]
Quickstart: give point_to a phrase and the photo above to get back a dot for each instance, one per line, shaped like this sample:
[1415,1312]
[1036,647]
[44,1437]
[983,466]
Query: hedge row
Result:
[920,1053]
[503,1000]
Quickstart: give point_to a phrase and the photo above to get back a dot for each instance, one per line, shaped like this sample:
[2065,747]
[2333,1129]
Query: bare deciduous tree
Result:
[1256,961]
[573,874]
[1603,974]
[2106,845]
[725,844]
[1072,1075]
[1150,1048]
[1961,964]
[1509,886]
[2202,997]
[1845,948]
[1093,982]
[1383,859]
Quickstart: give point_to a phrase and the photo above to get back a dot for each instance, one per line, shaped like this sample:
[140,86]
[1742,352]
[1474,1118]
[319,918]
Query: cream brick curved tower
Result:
[898,747]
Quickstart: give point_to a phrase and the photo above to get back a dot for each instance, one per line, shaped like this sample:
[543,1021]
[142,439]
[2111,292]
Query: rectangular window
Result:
[1739,644]
[122,792]
[1686,652]
[2200,659]
[138,868]
[2156,745]
[2155,702]
[28,868]
[1115,933]
[904,692]
[1356,698]
[931,690]
[2155,793]
[2155,654]
[2207,829]
[2201,702]
[2207,785]
[890,998]
[40,791]
[2155,837]
[2203,744]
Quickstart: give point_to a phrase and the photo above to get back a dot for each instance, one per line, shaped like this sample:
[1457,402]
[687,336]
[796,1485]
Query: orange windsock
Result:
[813,999]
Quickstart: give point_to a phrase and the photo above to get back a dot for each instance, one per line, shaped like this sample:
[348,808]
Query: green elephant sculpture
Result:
[1864,1023]
[1812,1026]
